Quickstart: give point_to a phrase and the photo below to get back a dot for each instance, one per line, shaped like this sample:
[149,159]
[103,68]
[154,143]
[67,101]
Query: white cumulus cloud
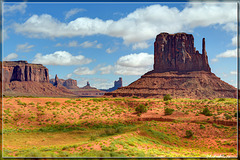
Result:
[140,45]
[61,58]
[134,64]
[228,54]
[140,25]
[10,57]
[106,69]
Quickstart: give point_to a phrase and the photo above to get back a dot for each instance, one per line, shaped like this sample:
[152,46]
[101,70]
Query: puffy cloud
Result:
[60,58]
[136,60]
[84,71]
[106,69]
[24,47]
[228,54]
[140,45]
[10,57]
[141,25]
[18,7]
[45,26]
[230,27]
[73,12]
[134,64]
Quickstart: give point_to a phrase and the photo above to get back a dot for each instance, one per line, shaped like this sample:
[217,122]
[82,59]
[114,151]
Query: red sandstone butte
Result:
[179,70]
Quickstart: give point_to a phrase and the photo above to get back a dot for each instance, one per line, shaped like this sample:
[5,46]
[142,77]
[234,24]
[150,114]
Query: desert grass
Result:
[109,127]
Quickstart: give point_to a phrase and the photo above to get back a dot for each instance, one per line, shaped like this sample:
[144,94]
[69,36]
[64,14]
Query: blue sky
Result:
[100,42]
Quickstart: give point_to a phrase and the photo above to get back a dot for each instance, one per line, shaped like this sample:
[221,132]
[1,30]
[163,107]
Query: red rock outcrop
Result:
[69,83]
[117,84]
[176,52]
[21,78]
[23,71]
[179,70]
[87,91]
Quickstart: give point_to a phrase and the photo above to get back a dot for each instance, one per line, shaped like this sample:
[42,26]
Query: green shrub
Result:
[56,103]
[135,97]
[168,111]
[221,99]
[202,126]
[167,97]
[189,134]
[47,103]
[215,125]
[31,103]
[167,102]
[227,116]
[141,108]
[206,112]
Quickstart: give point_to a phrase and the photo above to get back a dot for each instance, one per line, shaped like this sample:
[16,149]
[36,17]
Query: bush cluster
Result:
[168,111]
[189,134]
[141,108]
[206,112]
[167,97]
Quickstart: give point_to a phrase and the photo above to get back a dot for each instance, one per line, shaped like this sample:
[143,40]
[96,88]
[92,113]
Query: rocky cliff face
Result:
[21,78]
[179,70]
[176,52]
[69,83]
[23,71]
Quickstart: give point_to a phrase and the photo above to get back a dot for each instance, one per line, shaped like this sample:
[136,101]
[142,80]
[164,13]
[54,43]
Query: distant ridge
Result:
[21,78]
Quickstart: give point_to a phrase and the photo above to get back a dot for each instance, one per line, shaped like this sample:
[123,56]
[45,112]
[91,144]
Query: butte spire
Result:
[180,70]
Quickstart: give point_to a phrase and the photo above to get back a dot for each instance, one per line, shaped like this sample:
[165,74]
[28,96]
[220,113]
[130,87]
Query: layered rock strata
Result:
[176,52]
[21,78]
[23,71]
[179,70]
[69,83]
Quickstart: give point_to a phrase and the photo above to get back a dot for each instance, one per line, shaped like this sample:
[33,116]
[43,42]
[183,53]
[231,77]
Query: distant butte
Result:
[21,78]
[179,70]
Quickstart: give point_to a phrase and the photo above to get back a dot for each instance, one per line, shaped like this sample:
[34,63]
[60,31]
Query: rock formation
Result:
[23,71]
[69,83]
[21,78]
[117,84]
[87,91]
[176,52]
[179,70]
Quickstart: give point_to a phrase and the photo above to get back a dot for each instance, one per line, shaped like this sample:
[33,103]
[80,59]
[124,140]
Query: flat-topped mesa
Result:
[24,71]
[176,52]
